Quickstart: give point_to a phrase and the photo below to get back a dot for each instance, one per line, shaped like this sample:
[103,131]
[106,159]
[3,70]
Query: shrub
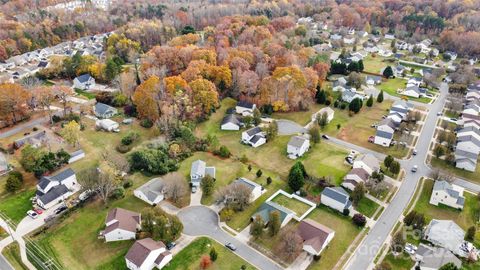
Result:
[14,181]
[118,193]
[127,184]
[222,152]
[346,212]
[259,173]
[146,123]
[35,129]
[56,118]
[244,159]
[359,220]
[122,148]
[129,138]
[269,180]
[213,254]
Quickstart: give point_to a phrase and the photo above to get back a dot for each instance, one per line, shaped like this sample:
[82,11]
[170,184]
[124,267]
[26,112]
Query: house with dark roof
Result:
[256,190]
[102,110]
[147,254]
[384,133]
[245,108]
[54,189]
[254,137]
[121,224]
[447,194]
[230,122]
[267,207]
[315,236]
[336,198]
[198,171]
[151,192]
[84,82]
[432,258]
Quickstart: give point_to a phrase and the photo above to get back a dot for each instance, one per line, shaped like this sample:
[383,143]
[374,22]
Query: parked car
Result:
[349,160]
[194,189]
[325,137]
[439,113]
[60,209]
[414,168]
[453,119]
[171,245]
[32,214]
[414,152]
[371,139]
[38,211]
[231,246]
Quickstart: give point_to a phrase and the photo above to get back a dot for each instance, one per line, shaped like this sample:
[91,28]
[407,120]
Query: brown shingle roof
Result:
[313,233]
[361,172]
[124,219]
[161,257]
[141,249]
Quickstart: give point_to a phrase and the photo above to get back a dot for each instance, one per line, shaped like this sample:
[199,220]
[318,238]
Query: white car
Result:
[32,214]
[414,168]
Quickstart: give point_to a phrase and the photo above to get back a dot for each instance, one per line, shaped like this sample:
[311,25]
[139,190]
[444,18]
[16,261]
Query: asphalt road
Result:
[365,254]
[19,128]
[202,221]
[4,264]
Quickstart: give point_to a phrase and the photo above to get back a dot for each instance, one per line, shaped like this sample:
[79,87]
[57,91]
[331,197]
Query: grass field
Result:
[345,233]
[464,218]
[401,262]
[443,165]
[302,117]
[189,257]
[375,64]
[293,204]
[16,205]
[367,207]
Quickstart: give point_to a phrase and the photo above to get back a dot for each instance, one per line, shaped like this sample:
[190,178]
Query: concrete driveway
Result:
[287,127]
[202,221]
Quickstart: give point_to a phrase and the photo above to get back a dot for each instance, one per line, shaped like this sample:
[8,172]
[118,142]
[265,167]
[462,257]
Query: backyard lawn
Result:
[16,206]
[367,207]
[345,233]
[189,257]
[400,262]
[443,165]
[375,64]
[464,218]
[392,85]
[293,204]
[302,117]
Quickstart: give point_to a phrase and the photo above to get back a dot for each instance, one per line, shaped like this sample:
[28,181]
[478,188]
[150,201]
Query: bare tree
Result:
[117,161]
[100,180]
[175,186]
[236,196]
[291,243]
[62,93]
[45,97]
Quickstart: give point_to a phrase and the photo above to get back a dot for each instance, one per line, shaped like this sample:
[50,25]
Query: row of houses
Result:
[467,148]
[387,127]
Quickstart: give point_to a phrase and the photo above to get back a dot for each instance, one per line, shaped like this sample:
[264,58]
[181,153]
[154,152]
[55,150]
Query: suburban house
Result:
[414,91]
[398,70]
[297,146]
[120,225]
[57,188]
[373,80]
[433,258]
[147,254]
[198,171]
[231,122]
[465,160]
[34,139]
[267,207]
[256,189]
[348,96]
[385,131]
[151,192]
[75,156]
[336,198]
[107,125]
[451,55]
[447,194]
[368,162]
[401,107]
[389,36]
[329,111]
[4,167]
[102,110]
[254,137]
[315,236]
[446,234]
[84,82]
[245,108]
[354,177]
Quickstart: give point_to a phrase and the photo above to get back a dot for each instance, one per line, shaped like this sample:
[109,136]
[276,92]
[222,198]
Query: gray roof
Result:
[53,194]
[244,181]
[469,138]
[447,187]
[152,189]
[253,131]
[198,167]
[102,108]
[445,233]
[77,153]
[268,207]
[389,122]
[436,257]
[3,162]
[45,180]
[297,141]
[338,194]
[370,160]
[84,78]
[231,118]
[245,104]
[384,134]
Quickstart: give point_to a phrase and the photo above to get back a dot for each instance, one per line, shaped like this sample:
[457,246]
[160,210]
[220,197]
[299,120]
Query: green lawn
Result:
[375,64]
[12,254]
[465,218]
[293,204]
[16,206]
[345,233]
[189,257]
[367,207]
[302,117]
[391,87]
[443,165]
[401,262]
[85,93]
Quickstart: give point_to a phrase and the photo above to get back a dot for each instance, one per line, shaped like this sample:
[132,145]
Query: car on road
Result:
[194,189]
[371,139]
[325,137]
[32,214]
[414,152]
[439,113]
[38,211]
[171,245]
[231,246]
[453,119]
[414,168]
[60,209]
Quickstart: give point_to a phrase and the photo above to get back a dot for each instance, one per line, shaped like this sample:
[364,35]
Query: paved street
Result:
[19,128]
[368,249]
[202,221]
[4,264]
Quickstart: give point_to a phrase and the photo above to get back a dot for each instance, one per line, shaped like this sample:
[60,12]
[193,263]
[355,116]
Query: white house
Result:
[336,198]
[198,171]
[414,91]
[75,156]
[54,189]
[245,108]
[384,133]
[446,234]
[354,177]
[447,194]
[349,96]
[254,137]
[121,225]
[4,166]
[84,82]
[256,189]
[368,162]
[107,125]
[147,254]
[329,111]
[102,110]
[151,192]
[297,146]
[230,122]
[389,36]
[315,236]
[373,80]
